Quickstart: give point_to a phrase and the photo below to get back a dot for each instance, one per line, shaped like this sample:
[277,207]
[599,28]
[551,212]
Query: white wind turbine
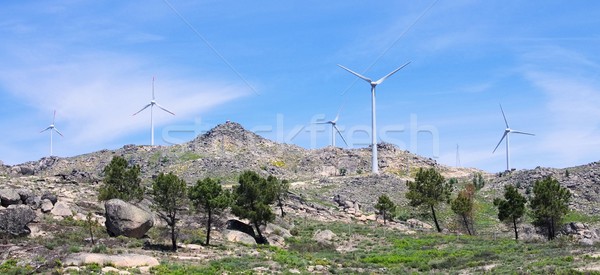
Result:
[52,129]
[151,105]
[334,129]
[374,163]
[506,135]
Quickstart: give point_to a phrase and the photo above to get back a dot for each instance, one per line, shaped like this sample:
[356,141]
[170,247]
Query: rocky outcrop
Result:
[9,197]
[14,220]
[238,237]
[125,219]
[581,232]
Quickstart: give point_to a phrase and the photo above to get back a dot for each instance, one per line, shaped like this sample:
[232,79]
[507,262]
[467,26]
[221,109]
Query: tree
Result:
[463,207]
[121,181]
[512,207]
[429,189]
[209,196]
[169,194]
[386,207]
[253,197]
[549,204]
[280,190]
[478,181]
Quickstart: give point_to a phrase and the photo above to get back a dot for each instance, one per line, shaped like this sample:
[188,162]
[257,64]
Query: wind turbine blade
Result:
[505,121]
[335,119]
[390,74]
[142,109]
[503,136]
[45,129]
[356,74]
[164,109]
[54,117]
[338,131]
[153,88]
[327,122]
[57,131]
[523,133]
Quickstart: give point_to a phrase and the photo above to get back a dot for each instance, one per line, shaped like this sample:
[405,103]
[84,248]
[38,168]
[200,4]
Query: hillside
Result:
[228,149]
[330,227]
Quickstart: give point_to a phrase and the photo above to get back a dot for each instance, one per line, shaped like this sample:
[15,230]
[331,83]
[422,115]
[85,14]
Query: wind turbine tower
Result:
[151,105]
[52,129]
[506,135]
[374,163]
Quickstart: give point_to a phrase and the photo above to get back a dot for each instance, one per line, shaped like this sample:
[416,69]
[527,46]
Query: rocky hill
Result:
[228,149]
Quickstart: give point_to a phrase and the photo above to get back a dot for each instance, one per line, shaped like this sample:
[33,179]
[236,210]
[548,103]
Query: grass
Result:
[381,250]
[188,156]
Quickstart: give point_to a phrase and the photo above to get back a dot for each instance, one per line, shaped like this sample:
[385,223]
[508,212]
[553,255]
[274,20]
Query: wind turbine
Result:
[334,128]
[52,129]
[151,105]
[506,135]
[374,163]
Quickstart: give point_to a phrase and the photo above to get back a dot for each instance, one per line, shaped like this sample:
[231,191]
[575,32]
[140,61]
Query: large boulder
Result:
[126,219]
[324,236]
[14,220]
[49,196]
[25,194]
[9,197]
[238,237]
[240,226]
[61,209]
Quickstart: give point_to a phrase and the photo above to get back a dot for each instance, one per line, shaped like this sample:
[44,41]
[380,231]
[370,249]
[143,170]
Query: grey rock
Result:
[238,237]
[25,194]
[9,196]
[126,219]
[35,202]
[46,206]
[61,209]
[273,229]
[14,220]
[324,236]
[236,225]
[586,242]
[51,197]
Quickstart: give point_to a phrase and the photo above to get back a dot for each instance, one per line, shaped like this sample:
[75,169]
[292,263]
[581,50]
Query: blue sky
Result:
[271,66]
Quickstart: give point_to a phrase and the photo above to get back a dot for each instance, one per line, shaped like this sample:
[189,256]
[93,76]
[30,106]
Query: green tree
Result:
[550,203]
[478,181]
[169,194]
[280,190]
[253,197]
[209,196]
[429,189]
[462,205]
[121,181]
[511,208]
[385,207]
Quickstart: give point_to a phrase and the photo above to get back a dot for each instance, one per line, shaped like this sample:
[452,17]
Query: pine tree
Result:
[208,196]
[550,203]
[169,194]
[511,208]
[386,207]
[121,181]
[463,207]
[280,189]
[253,198]
[429,189]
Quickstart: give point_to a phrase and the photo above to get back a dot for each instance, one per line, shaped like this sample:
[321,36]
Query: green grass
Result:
[188,156]
[574,216]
